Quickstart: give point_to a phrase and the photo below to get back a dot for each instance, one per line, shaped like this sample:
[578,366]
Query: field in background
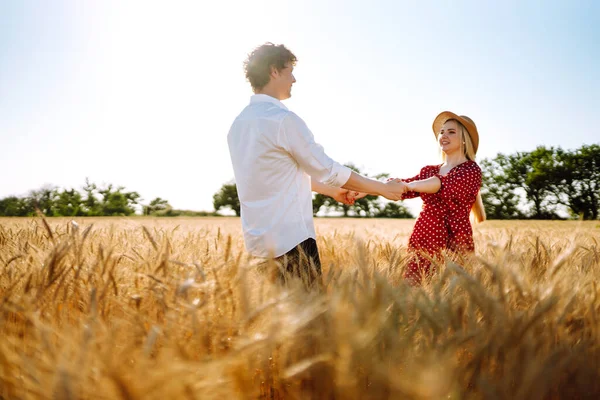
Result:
[173,308]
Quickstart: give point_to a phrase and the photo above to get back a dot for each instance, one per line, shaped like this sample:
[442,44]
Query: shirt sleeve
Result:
[422,175]
[299,141]
[462,185]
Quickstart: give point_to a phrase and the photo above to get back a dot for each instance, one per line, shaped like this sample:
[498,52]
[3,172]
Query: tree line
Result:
[546,183]
[92,201]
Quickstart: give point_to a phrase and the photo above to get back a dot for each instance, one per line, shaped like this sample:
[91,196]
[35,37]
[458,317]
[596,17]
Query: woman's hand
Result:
[429,185]
[395,189]
[351,197]
[408,185]
[344,196]
[358,195]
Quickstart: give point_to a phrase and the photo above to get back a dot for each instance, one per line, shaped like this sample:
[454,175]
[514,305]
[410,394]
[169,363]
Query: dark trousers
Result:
[302,262]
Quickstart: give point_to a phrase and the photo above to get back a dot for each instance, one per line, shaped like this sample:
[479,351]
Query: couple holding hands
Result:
[278,164]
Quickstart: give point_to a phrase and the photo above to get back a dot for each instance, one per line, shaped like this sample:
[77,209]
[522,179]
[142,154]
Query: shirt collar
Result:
[259,98]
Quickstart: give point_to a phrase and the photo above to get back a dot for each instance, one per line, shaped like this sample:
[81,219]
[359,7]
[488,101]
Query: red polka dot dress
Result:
[444,219]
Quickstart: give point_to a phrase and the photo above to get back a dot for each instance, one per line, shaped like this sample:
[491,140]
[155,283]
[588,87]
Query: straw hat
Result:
[463,119]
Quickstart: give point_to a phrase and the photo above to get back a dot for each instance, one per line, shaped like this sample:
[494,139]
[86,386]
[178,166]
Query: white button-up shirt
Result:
[274,156]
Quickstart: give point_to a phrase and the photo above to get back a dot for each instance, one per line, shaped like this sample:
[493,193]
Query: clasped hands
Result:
[395,188]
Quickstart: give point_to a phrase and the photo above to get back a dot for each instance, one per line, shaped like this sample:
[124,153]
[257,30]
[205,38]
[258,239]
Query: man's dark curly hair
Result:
[258,64]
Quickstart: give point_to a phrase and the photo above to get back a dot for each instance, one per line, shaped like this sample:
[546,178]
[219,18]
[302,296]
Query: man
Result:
[276,163]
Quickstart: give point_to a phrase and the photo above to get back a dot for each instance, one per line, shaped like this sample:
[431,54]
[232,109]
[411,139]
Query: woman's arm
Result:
[412,192]
[429,185]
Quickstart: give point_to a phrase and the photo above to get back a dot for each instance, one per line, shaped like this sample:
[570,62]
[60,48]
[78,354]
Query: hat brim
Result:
[444,116]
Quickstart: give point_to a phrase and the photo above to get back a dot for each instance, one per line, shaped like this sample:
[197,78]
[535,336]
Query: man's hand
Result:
[394,189]
[408,185]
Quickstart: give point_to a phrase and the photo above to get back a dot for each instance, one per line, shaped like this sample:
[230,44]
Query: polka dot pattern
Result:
[443,223]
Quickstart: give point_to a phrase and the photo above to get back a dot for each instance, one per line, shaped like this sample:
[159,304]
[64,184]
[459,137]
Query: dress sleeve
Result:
[422,175]
[461,186]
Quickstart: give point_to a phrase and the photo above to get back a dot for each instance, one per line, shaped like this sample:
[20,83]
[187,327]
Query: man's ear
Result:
[274,72]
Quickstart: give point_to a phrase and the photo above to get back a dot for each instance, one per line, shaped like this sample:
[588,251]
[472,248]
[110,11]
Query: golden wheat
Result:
[173,308]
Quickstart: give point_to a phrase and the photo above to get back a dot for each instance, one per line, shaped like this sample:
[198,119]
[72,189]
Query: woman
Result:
[450,191]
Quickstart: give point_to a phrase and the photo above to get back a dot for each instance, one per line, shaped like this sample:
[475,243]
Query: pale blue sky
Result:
[142,94]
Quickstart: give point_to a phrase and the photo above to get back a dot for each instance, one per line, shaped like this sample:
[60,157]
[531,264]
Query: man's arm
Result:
[429,185]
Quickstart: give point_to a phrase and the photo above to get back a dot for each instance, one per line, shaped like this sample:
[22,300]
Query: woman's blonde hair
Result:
[478,210]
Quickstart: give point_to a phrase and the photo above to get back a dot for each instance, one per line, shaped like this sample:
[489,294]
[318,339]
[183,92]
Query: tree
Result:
[157,205]
[108,201]
[44,199]
[394,210]
[500,197]
[13,206]
[227,196]
[534,171]
[319,201]
[69,203]
[91,204]
[520,178]
[117,202]
[576,181]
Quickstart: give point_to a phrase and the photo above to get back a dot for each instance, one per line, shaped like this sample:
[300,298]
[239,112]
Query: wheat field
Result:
[144,308]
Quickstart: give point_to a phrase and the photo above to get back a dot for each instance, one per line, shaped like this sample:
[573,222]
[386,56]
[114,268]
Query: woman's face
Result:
[449,137]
